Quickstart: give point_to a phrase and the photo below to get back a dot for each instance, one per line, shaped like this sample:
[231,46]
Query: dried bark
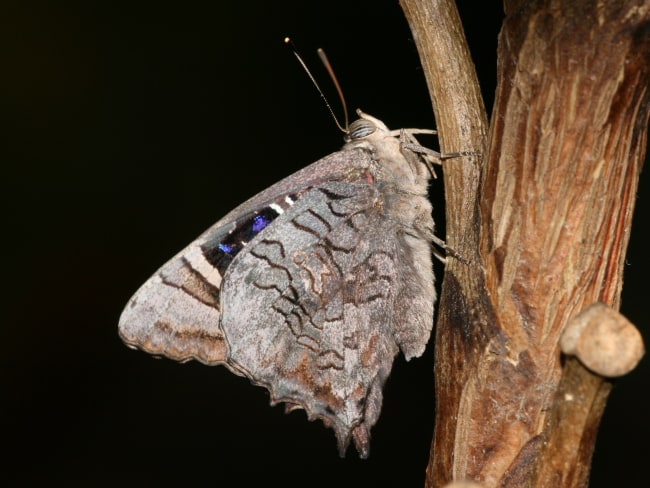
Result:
[544,222]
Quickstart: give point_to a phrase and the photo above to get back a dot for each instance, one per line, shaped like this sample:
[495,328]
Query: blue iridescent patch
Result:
[260,222]
[221,253]
[227,248]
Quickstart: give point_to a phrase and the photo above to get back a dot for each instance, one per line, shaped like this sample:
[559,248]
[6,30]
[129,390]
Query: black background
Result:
[130,127]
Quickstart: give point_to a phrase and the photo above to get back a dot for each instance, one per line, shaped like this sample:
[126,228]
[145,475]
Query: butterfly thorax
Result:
[398,166]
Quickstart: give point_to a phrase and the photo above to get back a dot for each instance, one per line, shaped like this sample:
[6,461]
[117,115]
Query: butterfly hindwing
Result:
[308,316]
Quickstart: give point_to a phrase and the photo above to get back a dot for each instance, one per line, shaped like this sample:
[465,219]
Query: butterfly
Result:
[311,287]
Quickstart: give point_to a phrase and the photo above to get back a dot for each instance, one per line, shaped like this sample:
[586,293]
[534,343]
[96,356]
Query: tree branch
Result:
[545,225]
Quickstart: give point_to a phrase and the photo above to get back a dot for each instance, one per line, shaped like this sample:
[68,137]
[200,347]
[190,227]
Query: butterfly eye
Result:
[361,128]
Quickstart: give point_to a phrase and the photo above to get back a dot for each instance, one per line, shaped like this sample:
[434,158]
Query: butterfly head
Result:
[363,127]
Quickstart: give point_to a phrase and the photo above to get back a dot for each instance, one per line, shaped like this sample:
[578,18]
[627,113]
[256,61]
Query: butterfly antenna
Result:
[329,69]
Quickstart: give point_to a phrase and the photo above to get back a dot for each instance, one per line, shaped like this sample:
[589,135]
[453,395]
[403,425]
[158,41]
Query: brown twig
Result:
[601,344]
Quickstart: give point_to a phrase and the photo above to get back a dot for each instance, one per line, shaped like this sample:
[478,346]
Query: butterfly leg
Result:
[448,251]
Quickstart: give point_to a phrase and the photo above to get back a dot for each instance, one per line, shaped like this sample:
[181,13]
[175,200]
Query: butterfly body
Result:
[311,287]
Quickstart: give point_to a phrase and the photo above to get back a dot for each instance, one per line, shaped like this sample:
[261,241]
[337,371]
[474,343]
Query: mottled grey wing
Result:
[308,307]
